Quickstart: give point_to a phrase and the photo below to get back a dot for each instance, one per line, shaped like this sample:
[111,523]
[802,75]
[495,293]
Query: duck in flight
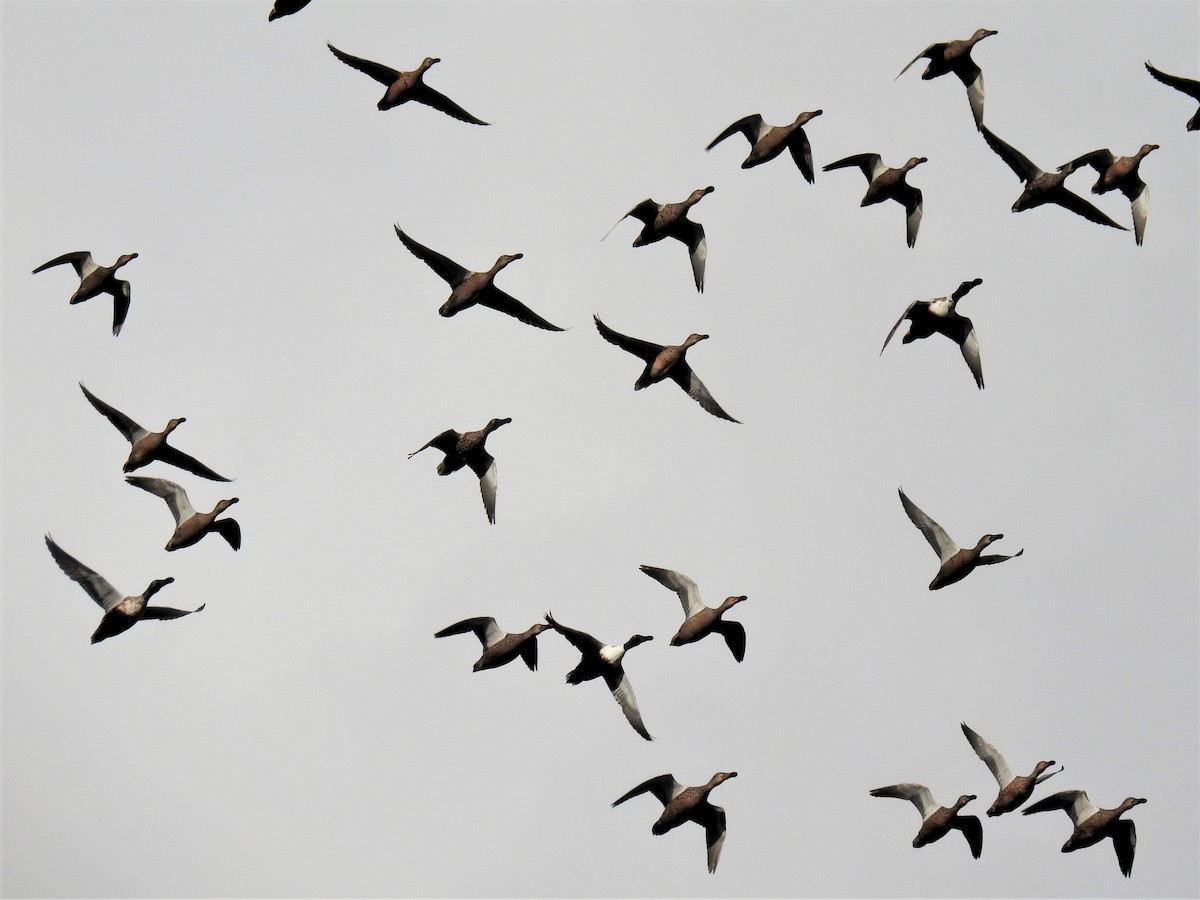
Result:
[940,316]
[95,280]
[467,449]
[405,86]
[957,562]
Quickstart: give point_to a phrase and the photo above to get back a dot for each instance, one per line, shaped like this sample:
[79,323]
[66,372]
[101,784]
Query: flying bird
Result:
[1014,789]
[148,446]
[955,56]
[499,647]
[699,621]
[471,288]
[1189,86]
[768,141]
[1120,173]
[957,563]
[1044,187]
[605,660]
[664,220]
[286,8]
[687,804]
[937,821]
[405,86]
[467,449]
[190,526]
[1092,824]
[95,280]
[886,183]
[120,612]
[666,361]
[940,316]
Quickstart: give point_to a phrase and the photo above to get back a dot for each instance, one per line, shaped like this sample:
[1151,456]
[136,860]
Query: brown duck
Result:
[190,526]
[955,56]
[699,621]
[467,449]
[120,612]
[768,141]
[499,647]
[1092,824]
[95,280]
[1120,173]
[472,288]
[405,86]
[937,821]
[664,220]
[886,183]
[957,563]
[687,804]
[148,446]
[665,361]
[1014,789]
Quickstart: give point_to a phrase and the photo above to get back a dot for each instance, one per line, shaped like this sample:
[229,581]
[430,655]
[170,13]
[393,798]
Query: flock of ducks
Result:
[667,361]
[1091,824]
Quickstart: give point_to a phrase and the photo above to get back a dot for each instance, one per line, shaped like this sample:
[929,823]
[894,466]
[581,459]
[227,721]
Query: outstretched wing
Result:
[1021,165]
[664,787]
[751,126]
[381,73]
[447,269]
[132,430]
[423,93]
[916,794]
[972,830]
[96,587]
[1074,803]
[176,496]
[682,374]
[907,310]
[937,537]
[990,755]
[684,587]
[496,299]
[81,260]
[483,627]
[645,350]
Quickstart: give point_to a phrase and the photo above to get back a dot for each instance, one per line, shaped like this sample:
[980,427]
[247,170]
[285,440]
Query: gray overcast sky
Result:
[305,735]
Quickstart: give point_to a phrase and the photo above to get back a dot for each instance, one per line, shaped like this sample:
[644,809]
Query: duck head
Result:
[493,424]
[155,586]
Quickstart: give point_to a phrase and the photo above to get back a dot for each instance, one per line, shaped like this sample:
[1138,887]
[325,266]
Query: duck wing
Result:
[423,93]
[664,787]
[381,73]
[645,212]
[972,830]
[713,820]
[961,330]
[176,496]
[622,690]
[907,312]
[735,637]
[1021,165]
[930,52]
[686,589]
[81,260]
[483,627]
[447,442]
[681,373]
[916,794]
[1189,86]
[494,298]
[870,164]
[645,350]
[934,533]
[179,459]
[1074,803]
[120,295]
[801,151]
[580,640]
[1139,202]
[990,755]
[96,587]
[447,269]
[166,612]
[230,530]
[132,430]
[483,464]
[1099,160]
[751,126]
[1081,207]
[1124,838]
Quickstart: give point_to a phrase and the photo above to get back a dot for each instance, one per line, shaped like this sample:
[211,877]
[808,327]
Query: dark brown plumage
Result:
[467,449]
[687,804]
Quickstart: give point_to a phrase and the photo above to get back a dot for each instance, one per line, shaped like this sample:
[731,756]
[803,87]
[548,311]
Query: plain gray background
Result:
[305,735]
